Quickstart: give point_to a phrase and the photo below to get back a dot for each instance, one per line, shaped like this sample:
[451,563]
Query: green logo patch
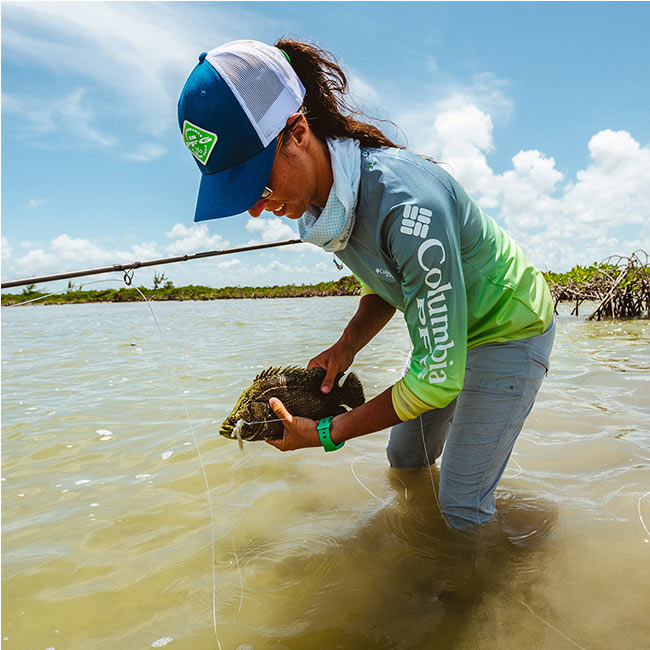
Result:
[199,141]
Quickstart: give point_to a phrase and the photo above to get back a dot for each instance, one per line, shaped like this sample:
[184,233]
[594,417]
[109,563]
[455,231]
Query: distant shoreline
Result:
[620,286]
[345,286]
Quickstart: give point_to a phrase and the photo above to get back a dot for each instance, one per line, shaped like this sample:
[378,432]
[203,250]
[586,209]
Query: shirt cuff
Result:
[366,290]
[407,404]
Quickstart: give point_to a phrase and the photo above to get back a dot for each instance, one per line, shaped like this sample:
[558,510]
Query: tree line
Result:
[620,285]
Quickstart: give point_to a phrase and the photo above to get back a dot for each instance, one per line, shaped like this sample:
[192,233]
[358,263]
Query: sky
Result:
[540,110]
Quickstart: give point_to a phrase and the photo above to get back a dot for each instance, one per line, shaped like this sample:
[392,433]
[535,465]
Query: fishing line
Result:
[239,425]
[56,293]
[638,507]
[518,465]
[551,626]
[241,582]
[406,490]
[361,484]
[241,579]
[196,444]
[205,476]
[242,421]
[39,298]
[433,486]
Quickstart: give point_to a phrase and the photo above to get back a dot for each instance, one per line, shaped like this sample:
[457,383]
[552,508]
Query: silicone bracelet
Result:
[323,427]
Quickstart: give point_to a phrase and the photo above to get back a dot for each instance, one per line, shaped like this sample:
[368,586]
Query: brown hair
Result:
[325,107]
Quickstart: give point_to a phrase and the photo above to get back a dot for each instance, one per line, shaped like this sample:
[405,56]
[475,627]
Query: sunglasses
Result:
[267,190]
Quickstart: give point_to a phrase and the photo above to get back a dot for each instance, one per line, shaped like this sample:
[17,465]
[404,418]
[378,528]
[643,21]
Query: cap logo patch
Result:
[199,141]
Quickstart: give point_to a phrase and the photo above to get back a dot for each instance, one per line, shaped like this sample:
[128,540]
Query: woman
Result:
[270,130]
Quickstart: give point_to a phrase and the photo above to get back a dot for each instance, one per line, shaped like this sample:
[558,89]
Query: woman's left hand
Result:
[298,432]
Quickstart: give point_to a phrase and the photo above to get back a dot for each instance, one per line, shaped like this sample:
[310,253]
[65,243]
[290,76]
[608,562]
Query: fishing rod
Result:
[138,265]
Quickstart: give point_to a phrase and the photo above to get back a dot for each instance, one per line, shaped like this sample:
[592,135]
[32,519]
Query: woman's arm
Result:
[375,415]
[372,315]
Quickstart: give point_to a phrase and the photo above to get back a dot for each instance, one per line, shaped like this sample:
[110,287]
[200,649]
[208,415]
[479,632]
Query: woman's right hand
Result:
[337,358]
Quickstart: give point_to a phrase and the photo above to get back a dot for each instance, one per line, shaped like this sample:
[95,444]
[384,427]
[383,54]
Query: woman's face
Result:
[301,175]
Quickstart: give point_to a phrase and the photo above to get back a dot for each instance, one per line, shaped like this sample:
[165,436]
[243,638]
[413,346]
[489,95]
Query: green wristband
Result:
[323,427]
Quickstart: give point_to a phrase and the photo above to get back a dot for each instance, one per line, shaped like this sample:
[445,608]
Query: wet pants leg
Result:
[479,429]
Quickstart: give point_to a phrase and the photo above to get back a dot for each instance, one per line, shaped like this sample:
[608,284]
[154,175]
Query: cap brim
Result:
[235,190]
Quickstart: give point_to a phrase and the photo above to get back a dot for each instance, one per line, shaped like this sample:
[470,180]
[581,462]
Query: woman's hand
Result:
[372,314]
[334,360]
[298,432]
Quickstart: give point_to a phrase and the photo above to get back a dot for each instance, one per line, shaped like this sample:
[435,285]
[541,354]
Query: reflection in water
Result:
[403,579]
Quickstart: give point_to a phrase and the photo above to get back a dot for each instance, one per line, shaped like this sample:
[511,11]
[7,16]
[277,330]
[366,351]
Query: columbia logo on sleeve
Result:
[415,221]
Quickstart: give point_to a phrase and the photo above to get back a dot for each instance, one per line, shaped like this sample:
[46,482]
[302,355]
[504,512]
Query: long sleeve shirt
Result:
[423,245]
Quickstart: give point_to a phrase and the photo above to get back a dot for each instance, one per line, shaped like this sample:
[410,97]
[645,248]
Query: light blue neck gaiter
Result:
[331,227]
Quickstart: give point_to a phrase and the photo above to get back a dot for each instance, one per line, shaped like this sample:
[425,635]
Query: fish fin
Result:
[353,386]
[276,370]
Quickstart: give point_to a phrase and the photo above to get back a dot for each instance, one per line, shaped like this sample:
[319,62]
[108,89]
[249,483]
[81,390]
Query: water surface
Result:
[106,527]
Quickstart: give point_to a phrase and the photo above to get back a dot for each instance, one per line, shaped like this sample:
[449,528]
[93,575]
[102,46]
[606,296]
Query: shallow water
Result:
[106,528]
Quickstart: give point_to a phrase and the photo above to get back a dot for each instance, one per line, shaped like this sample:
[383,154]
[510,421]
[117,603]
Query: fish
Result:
[299,390]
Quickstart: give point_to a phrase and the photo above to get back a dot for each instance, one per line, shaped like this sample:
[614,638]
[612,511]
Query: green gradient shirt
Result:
[423,245]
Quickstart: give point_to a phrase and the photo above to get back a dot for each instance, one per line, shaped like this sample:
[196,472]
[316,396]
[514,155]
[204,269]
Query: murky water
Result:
[106,527]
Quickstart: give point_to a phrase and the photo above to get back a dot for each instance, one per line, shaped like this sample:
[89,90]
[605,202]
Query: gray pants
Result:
[479,428]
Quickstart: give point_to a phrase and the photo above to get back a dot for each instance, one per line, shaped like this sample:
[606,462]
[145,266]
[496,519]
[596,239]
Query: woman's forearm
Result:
[299,432]
[374,415]
[378,413]
[372,315]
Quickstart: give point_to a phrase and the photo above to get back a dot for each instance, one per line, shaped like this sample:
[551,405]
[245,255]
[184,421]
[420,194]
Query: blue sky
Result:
[541,110]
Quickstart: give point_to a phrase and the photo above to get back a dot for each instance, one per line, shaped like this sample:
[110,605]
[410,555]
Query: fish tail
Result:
[352,387]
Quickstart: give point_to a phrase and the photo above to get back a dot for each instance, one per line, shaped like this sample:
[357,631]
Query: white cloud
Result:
[463,136]
[37,119]
[78,117]
[76,248]
[271,230]
[7,250]
[559,219]
[615,188]
[278,267]
[36,260]
[269,273]
[454,106]
[69,118]
[76,252]
[35,203]
[146,152]
[234,263]
[146,251]
[136,54]
[362,92]
[525,201]
[193,239]
[556,220]
[119,46]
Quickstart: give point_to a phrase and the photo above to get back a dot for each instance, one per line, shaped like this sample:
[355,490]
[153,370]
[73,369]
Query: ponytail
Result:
[327,112]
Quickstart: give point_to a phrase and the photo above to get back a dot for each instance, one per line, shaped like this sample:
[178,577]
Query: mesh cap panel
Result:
[263,82]
[257,87]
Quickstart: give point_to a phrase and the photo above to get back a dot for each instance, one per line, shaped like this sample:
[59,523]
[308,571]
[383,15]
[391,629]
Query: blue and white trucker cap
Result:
[232,108]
